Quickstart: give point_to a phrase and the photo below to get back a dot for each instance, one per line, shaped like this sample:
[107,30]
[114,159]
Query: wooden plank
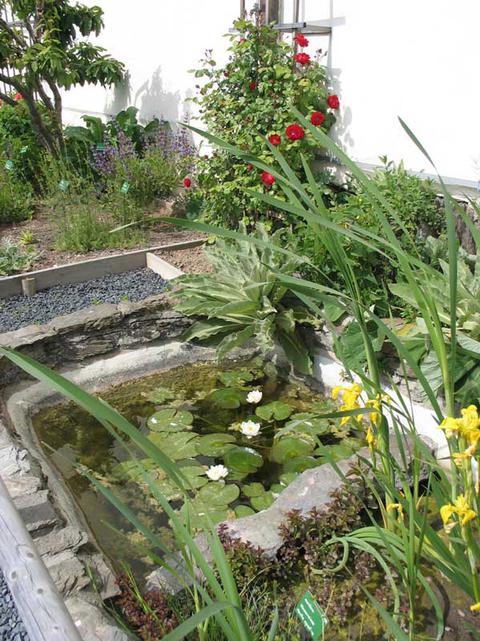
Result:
[87,269]
[161,267]
[39,604]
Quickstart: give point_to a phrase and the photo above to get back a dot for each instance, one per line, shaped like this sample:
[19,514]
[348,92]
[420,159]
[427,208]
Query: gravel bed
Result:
[19,311]
[11,628]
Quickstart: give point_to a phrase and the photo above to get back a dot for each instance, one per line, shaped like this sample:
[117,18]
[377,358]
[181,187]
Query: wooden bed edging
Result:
[87,269]
[40,606]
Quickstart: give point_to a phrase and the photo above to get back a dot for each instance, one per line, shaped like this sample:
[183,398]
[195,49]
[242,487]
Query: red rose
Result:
[302,58]
[267,178]
[333,102]
[187,182]
[301,40]
[242,40]
[249,167]
[317,118]
[275,139]
[18,96]
[253,86]
[294,132]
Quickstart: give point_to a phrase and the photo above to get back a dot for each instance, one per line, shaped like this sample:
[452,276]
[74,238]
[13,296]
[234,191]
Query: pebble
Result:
[19,311]
[11,627]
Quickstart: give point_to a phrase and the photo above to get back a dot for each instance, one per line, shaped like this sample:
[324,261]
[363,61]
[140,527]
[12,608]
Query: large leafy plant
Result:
[243,299]
[251,97]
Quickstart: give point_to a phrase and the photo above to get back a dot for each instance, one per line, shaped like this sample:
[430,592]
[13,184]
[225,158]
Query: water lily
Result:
[255,396]
[250,428]
[217,472]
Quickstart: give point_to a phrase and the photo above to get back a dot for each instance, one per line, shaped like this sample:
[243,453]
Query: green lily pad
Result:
[308,423]
[276,410]
[160,395]
[176,445]
[228,398]
[236,377]
[277,488]
[170,420]
[262,502]
[218,493]
[194,473]
[290,447]
[302,463]
[215,444]
[243,460]
[243,510]
[198,515]
[338,451]
[253,489]
[287,477]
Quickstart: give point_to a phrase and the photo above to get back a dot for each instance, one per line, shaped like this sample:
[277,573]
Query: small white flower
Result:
[250,428]
[154,420]
[255,396]
[216,472]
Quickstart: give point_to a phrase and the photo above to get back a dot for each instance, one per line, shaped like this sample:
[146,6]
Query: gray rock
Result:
[68,538]
[36,511]
[92,621]
[67,572]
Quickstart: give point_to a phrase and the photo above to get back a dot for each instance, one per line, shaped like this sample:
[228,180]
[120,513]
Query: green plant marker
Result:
[101,146]
[9,165]
[125,187]
[63,185]
[24,149]
[311,615]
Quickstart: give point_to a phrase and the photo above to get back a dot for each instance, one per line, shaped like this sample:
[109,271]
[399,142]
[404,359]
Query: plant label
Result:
[101,146]
[9,165]
[63,185]
[311,615]
[125,188]
[24,149]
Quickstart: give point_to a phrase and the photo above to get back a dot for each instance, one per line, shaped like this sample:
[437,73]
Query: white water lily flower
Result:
[154,420]
[250,428]
[217,472]
[255,396]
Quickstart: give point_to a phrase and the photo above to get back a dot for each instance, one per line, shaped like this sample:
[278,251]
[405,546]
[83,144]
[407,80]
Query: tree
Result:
[43,50]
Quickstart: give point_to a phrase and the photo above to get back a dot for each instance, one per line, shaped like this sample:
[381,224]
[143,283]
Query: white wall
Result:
[414,59]
[159,41]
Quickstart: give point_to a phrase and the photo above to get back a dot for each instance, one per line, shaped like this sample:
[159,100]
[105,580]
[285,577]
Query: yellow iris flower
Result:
[461,509]
[349,399]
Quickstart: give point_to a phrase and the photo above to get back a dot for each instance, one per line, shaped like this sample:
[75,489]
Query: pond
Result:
[240,432]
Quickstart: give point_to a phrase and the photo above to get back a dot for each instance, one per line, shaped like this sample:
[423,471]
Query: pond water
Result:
[257,424]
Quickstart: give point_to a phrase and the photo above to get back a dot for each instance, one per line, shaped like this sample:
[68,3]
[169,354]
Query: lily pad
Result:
[338,451]
[262,502]
[302,463]
[215,444]
[253,489]
[243,460]
[287,477]
[236,377]
[201,515]
[274,410]
[176,445]
[308,423]
[243,510]
[277,488]
[170,420]
[194,473]
[290,447]
[227,398]
[218,493]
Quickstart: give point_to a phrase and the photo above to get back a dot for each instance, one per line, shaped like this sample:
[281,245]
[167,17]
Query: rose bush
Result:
[249,101]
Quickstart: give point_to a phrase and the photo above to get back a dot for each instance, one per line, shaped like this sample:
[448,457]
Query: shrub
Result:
[16,199]
[247,100]
[415,202]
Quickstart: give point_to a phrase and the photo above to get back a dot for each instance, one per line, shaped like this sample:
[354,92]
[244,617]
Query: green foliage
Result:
[48,50]
[15,258]
[243,299]
[96,132]
[415,203]
[244,114]
[16,198]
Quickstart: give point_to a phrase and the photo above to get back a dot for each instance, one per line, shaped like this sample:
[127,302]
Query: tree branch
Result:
[7,99]
[11,81]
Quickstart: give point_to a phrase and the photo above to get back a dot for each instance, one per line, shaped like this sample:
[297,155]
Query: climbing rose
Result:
[333,102]
[275,139]
[18,96]
[302,58]
[253,86]
[317,118]
[301,40]
[187,182]
[267,178]
[295,132]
